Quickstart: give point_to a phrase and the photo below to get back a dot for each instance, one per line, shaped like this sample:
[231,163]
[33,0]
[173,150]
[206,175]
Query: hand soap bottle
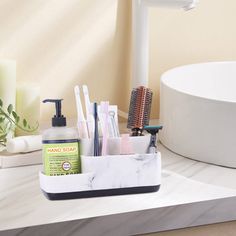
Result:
[61,154]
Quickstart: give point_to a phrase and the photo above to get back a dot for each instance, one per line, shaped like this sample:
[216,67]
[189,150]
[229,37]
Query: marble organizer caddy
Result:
[108,175]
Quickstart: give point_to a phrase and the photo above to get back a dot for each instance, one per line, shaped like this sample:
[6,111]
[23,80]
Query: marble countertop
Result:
[192,193]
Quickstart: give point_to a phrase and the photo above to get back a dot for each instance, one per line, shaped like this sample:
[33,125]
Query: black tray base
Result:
[101,193]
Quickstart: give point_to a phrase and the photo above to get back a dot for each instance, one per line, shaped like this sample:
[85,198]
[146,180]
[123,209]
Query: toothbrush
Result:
[96,135]
[114,129]
[105,116]
[82,125]
[89,111]
[111,130]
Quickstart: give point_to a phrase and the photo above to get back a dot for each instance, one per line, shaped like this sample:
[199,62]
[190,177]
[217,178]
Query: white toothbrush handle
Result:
[90,124]
[83,130]
[82,125]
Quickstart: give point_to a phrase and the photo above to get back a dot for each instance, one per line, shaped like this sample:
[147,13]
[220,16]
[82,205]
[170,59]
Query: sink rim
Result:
[165,79]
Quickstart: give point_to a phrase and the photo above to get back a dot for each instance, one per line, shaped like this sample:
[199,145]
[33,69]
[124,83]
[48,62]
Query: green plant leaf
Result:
[17,119]
[10,109]
[24,122]
[9,120]
[3,137]
[14,115]
[1,129]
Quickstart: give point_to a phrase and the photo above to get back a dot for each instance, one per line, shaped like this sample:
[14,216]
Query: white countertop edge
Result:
[140,222]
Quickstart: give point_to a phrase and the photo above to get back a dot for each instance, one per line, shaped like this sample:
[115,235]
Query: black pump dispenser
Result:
[58,120]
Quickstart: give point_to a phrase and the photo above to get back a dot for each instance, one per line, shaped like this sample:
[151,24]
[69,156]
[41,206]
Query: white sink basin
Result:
[198,112]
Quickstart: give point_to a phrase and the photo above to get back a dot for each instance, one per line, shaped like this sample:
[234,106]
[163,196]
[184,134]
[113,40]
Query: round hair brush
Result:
[139,110]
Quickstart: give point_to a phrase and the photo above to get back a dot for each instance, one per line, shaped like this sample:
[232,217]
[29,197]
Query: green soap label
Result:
[61,158]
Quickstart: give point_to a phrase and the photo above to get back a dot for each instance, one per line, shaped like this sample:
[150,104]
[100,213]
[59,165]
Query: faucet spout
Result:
[140,30]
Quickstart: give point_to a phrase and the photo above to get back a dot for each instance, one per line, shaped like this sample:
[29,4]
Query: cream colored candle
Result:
[8,84]
[28,105]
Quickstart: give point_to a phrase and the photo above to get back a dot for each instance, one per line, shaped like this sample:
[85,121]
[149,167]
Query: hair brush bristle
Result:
[139,109]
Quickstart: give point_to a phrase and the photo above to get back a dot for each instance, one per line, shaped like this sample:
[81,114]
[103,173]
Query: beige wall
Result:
[61,43]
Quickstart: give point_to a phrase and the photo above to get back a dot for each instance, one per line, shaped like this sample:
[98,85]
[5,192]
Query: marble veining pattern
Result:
[107,172]
[123,171]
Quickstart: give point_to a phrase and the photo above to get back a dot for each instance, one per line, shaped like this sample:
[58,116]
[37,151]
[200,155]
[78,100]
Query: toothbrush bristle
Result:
[139,109]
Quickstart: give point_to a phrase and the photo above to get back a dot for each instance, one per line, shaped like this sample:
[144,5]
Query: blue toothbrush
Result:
[96,135]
